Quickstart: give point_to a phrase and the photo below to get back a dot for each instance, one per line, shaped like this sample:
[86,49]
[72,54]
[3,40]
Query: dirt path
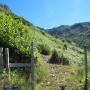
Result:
[57,76]
[60,77]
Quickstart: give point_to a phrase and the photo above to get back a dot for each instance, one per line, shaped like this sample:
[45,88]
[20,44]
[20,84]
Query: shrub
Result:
[54,58]
[57,59]
[65,46]
[69,41]
[64,60]
[43,32]
[44,49]
[63,40]
[56,37]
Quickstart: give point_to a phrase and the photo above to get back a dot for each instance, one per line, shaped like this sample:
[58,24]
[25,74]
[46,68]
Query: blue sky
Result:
[51,13]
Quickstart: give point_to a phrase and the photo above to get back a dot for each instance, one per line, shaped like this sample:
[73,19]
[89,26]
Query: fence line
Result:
[10,65]
[19,65]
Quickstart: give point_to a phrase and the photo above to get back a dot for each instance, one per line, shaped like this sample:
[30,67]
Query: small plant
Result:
[64,61]
[65,46]
[44,49]
[69,41]
[57,59]
[43,32]
[63,40]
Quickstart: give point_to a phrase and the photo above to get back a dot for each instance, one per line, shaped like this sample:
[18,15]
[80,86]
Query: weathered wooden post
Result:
[7,61]
[1,57]
[1,62]
[86,69]
[32,66]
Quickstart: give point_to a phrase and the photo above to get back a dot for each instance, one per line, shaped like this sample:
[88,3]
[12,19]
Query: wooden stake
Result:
[1,57]
[7,62]
[32,66]
[86,69]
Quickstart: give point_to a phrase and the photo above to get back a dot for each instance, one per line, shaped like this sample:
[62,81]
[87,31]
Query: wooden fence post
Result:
[86,69]
[32,66]
[7,61]
[1,57]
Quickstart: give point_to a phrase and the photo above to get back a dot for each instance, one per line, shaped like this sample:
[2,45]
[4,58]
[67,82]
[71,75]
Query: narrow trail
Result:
[57,76]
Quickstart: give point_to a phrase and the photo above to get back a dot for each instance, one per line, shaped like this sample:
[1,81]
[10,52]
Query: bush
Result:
[65,46]
[63,40]
[57,59]
[64,61]
[43,32]
[69,41]
[44,49]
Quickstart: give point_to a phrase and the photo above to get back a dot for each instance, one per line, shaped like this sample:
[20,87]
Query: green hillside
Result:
[79,32]
[17,34]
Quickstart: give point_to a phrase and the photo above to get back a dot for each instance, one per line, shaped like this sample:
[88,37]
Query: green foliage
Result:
[17,34]
[54,58]
[63,40]
[65,46]
[14,33]
[44,49]
[40,71]
[58,59]
[69,41]
[64,60]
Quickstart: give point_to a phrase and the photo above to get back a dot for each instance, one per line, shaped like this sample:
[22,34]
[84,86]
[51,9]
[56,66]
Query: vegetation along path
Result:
[60,77]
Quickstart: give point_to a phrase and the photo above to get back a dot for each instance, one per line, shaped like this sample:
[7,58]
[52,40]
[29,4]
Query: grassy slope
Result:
[16,33]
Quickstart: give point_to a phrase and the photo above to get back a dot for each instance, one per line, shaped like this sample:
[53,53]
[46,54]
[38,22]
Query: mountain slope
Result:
[17,34]
[79,32]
